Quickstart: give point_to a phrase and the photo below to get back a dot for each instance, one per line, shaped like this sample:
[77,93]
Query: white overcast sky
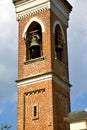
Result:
[8,49]
[8,63]
[77,46]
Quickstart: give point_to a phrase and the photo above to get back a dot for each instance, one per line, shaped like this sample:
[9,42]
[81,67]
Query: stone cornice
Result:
[29,8]
[43,77]
[26,8]
[28,13]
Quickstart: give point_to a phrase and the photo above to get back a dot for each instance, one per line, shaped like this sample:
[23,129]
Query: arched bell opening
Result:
[34,41]
[59,42]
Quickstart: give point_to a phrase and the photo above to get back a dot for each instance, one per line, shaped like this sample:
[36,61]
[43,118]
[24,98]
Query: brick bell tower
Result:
[43,80]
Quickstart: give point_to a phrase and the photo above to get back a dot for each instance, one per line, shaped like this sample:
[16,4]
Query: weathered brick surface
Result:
[48,50]
[53,106]
[60,68]
[38,66]
[61,106]
[44,101]
[54,102]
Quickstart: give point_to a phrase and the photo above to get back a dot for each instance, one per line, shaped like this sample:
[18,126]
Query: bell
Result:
[59,46]
[34,42]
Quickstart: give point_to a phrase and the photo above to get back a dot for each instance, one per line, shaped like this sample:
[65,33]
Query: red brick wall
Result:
[45,106]
[38,66]
[51,110]
[61,106]
[53,105]
[48,48]
[60,68]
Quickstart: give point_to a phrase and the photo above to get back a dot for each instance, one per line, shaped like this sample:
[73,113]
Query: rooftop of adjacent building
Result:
[76,116]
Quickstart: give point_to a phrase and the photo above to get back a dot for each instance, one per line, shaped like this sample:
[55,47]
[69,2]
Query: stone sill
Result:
[35,118]
[34,60]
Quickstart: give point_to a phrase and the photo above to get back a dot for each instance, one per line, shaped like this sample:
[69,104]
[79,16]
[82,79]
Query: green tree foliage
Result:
[5,127]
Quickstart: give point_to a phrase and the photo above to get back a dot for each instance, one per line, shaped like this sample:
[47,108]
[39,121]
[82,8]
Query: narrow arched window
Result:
[33,41]
[58,43]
